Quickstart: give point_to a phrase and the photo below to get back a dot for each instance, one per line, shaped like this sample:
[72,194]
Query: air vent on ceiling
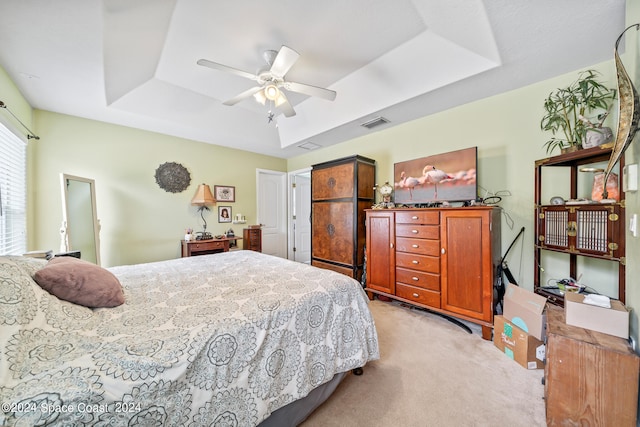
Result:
[376,121]
[309,145]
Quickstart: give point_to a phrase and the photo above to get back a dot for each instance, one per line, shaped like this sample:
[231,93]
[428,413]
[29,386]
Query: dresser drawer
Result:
[418,246]
[418,278]
[419,295]
[421,217]
[424,263]
[419,231]
[206,246]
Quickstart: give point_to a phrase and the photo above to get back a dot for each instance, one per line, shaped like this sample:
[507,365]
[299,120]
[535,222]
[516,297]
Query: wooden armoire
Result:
[340,192]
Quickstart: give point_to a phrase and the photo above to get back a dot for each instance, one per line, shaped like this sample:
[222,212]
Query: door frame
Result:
[290,221]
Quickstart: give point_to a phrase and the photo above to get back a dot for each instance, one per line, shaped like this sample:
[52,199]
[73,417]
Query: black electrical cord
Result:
[492,200]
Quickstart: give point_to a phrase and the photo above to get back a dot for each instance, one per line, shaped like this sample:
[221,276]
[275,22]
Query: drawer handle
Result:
[414,217]
[415,246]
[415,295]
[415,261]
[414,231]
[414,278]
[442,251]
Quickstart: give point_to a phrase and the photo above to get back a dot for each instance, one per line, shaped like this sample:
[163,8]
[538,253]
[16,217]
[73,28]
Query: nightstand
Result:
[252,239]
[205,247]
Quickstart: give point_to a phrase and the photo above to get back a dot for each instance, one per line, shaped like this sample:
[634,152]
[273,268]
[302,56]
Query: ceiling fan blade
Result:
[220,67]
[246,94]
[284,61]
[284,105]
[305,89]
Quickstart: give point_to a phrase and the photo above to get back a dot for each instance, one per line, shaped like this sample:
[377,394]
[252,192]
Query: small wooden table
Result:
[591,378]
[205,247]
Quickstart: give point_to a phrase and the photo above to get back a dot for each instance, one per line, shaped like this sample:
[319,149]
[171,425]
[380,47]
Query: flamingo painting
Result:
[408,182]
[452,176]
[431,175]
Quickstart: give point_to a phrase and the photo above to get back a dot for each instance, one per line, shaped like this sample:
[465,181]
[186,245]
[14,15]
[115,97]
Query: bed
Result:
[224,339]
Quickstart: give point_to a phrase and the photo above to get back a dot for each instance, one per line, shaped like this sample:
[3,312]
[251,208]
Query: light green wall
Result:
[140,222]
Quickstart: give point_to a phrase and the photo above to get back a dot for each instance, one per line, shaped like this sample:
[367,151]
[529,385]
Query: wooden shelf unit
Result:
[588,230]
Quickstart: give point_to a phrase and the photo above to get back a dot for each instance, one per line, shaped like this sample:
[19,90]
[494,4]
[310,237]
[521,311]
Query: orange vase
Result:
[598,187]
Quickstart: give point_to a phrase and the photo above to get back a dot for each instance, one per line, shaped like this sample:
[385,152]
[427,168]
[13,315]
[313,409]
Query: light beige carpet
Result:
[433,373]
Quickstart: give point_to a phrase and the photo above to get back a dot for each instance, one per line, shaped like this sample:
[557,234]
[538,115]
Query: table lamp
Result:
[203,199]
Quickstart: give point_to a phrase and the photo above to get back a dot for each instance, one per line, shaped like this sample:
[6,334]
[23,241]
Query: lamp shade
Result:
[203,196]
[271,92]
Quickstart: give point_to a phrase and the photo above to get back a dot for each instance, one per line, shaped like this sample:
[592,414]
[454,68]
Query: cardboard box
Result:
[525,309]
[517,344]
[612,321]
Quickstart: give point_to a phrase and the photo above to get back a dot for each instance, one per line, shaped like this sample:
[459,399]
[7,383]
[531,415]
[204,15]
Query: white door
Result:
[300,216]
[272,211]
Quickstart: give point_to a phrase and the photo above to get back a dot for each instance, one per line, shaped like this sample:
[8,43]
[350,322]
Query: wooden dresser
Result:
[340,192]
[591,378]
[252,239]
[204,247]
[442,259]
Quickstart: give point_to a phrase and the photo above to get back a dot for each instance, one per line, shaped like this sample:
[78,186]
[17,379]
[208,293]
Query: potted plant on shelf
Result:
[567,109]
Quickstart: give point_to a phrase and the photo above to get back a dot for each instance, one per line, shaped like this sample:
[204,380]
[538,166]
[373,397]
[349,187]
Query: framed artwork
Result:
[224,193]
[224,213]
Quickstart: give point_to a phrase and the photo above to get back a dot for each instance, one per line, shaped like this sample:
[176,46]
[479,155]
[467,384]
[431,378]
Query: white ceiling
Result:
[133,62]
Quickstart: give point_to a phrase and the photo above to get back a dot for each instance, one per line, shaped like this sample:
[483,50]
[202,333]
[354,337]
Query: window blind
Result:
[13,193]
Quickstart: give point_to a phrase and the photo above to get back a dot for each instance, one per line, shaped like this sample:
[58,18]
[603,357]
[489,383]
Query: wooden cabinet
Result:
[381,255]
[591,378]
[442,259]
[340,192]
[594,230]
[204,247]
[470,255]
[252,239]
[581,229]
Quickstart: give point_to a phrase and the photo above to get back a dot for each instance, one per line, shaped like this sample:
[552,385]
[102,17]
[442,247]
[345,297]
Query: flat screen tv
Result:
[432,180]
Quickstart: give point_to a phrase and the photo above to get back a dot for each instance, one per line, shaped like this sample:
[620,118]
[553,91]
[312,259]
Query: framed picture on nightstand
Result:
[225,193]
[224,213]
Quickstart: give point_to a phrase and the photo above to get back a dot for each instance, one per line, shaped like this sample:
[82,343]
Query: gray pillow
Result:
[81,282]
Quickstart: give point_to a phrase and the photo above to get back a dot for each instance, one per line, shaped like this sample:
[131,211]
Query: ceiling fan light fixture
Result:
[259,97]
[280,99]
[271,92]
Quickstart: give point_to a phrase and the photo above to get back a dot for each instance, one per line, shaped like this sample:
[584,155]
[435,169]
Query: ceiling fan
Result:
[272,80]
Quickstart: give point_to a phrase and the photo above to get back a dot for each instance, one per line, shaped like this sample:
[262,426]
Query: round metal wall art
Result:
[173,177]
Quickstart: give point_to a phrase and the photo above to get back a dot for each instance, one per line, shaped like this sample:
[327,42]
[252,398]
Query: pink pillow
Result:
[80,282]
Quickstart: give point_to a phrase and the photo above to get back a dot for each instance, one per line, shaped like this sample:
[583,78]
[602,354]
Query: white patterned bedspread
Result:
[221,339]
